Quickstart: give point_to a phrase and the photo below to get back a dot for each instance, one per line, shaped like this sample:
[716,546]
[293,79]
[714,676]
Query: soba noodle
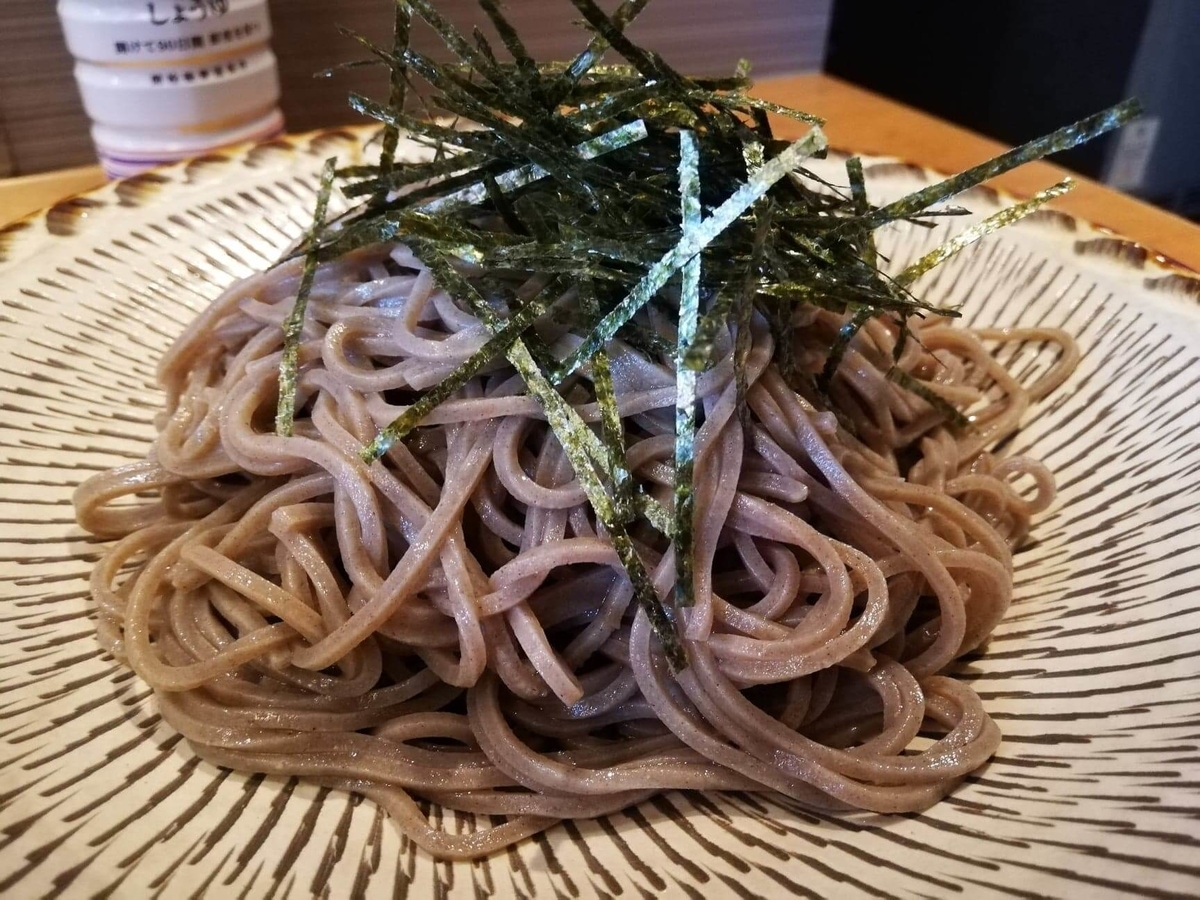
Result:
[449,624]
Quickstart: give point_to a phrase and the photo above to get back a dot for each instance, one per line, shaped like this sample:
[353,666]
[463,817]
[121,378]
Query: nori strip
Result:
[943,406]
[399,88]
[293,325]
[693,242]
[970,235]
[1063,139]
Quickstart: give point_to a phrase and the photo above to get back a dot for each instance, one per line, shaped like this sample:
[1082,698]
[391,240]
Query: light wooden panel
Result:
[47,128]
[6,163]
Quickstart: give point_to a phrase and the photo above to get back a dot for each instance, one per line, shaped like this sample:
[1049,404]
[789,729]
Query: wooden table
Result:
[858,120]
[864,122]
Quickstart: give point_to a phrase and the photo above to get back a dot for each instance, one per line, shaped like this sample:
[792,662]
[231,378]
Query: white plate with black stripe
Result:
[1093,677]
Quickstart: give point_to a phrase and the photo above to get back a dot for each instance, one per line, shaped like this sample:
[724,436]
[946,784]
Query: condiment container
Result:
[168,79]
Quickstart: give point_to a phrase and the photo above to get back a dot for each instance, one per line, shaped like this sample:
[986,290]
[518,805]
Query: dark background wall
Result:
[1020,68]
[1011,70]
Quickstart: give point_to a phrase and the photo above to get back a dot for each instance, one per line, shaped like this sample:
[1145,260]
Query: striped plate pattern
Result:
[1094,676]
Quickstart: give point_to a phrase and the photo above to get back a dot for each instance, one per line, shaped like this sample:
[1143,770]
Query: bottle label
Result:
[212,40]
[191,11]
[162,31]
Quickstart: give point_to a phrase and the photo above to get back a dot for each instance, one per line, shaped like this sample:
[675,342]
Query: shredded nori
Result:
[970,235]
[293,325]
[399,88]
[651,195]
[692,242]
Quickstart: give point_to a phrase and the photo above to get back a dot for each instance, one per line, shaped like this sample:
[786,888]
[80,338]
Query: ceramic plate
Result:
[1094,676]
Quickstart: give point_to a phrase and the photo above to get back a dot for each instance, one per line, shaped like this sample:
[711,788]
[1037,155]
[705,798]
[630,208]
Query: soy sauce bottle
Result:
[168,79]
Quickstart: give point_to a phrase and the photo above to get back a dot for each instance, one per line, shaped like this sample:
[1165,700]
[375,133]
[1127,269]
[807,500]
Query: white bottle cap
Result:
[137,32]
[127,153]
[142,147]
[194,97]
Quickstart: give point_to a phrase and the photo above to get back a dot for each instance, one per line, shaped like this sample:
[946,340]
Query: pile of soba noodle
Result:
[449,625]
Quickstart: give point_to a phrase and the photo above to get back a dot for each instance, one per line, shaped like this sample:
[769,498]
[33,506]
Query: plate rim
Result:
[1128,252]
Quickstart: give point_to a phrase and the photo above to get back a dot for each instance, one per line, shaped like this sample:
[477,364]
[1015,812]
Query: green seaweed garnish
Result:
[398,81]
[700,352]
[692,242]
[665,204]
[970,235]
[612,430]
[858,193]
[845,335]
[947,409]
[1063,139]
[508,34]
[293,325]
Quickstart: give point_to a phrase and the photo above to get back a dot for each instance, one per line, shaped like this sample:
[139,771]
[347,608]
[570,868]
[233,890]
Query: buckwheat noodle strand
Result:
[450,625]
